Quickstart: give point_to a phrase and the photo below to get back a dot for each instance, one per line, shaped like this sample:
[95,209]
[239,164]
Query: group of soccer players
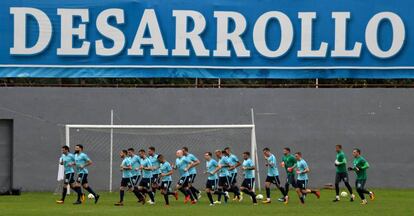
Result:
[147,172]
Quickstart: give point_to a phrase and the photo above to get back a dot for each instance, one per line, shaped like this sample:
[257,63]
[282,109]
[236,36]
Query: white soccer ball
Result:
[344,194]
[91,196]
[259,197]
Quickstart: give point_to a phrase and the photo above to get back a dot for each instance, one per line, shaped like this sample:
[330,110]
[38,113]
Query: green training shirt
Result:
[289,161]
[341,159]
[362,165]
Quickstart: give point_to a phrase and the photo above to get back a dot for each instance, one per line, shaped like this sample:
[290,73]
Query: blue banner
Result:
[207,39]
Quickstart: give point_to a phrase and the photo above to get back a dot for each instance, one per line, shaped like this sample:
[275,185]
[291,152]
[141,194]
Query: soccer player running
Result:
[248,182]
[153,157]
[193,172]
[127,181]
[212,179]
[223,172]
[234,163]
[165,178]
[68,161]
[289,163]
[82,161]
[136,164]
[183,164]
[302,170]
[272,175]
[144,186]
[360,167]
[341,173]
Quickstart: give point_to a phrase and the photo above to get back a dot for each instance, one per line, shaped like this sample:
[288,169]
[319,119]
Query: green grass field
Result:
[388,202]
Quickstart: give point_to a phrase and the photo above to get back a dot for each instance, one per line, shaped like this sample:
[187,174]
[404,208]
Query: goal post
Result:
[104,142]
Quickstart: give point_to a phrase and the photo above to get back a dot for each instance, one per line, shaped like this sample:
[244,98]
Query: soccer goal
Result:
[104,142]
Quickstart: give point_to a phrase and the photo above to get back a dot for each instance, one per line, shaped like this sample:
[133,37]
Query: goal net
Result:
[103,143]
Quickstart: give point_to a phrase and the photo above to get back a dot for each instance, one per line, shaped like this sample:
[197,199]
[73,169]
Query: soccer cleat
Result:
[268,201]
[77,203]
[211,204]
[187,199]
[318,194]
[217,202]
[119,204]
[60,201]
[176,195]
[281,199]
[336,200]
[286,200]
[193,202]
[352,198]
[96,198]
[364,202]
[83,197]
[151,202]
[371,195]
[241,197]
[255,204]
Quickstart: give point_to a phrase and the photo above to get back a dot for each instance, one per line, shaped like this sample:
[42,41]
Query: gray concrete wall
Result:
[379,121]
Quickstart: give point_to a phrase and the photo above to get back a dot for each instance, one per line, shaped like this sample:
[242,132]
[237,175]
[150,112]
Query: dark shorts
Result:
[127,182]
[224,181]
[248,183]
[145,183]
[155,179]
[82,178]
[69,178]
[290,179]
[233,178]
[302,184]
[165,185]
[135,180]
[192,178]
[273,179]
[360,183]
[183,182]
[212,184]
[341,177]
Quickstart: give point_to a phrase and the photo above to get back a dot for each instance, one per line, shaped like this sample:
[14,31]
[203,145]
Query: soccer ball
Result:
[259,197]
[91,196]
[344,194]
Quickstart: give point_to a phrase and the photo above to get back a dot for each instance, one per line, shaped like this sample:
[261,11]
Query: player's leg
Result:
[292,181]
[124,185]
[86,186]
[234,188]
[78,189]
[164,186]
[277,183]
[337,181]
[66,182]
[194,190]
[222,184]
[186,187]
[268,183]
[247,188]
[300,186]
[150,192]
[180,187]
[209,190]
[345,179]
[360,185]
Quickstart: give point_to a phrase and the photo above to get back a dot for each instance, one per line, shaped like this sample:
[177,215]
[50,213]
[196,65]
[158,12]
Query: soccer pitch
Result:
[387,202]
